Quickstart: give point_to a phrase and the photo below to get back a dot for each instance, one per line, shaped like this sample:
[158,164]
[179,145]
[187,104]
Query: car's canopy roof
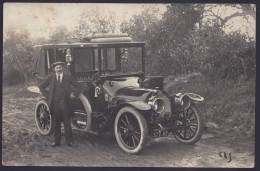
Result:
[79,44]
[97,40]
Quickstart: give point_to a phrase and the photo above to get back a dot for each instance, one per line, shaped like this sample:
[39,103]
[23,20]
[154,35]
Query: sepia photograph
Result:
[129,85]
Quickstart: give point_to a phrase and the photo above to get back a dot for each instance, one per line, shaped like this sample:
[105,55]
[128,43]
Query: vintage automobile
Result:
[116,94]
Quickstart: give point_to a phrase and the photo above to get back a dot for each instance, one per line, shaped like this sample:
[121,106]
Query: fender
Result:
[183,100]
[195,97]
[34,89]
[136,104]
[88,110]
[140,105]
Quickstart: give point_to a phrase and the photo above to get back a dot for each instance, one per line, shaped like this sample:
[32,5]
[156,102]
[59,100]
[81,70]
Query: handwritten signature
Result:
[225,156]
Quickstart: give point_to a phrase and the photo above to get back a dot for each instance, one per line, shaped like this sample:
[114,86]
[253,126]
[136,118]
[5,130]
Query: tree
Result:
[17,52]
[171,41]
[94,21]
[223,17]
[60,34]
[226,56]
[142,27]
[182,42]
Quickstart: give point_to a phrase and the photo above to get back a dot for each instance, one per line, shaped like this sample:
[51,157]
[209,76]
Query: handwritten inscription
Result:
[225,156]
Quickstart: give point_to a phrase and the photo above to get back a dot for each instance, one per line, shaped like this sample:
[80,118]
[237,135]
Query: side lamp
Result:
[69,58]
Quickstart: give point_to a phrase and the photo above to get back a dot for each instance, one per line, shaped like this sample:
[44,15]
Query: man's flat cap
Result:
[57,63]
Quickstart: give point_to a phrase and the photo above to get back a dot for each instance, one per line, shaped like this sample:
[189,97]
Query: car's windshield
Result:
[131,60]
[124,60]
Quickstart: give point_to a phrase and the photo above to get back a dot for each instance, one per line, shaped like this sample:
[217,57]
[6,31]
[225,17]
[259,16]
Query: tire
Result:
[191,122]
[130,130]
[43,119]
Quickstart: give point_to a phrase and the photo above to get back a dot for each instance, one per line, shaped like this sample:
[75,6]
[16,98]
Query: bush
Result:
[227,56]
[13,77]
[228,104]
[176,45]
[17,55]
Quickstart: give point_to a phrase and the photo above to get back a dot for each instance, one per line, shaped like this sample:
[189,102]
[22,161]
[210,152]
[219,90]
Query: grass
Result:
[228,105]
[19,90]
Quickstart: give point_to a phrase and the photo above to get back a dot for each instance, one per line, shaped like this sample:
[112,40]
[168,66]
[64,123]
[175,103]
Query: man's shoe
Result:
[55,144]
[72,144]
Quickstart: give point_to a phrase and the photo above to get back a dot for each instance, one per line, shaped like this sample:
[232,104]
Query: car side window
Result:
[108,59]
[41,67]
[84,60]
[49,55]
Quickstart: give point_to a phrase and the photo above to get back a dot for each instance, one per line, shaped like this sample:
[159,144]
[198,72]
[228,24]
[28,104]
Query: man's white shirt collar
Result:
[61,76]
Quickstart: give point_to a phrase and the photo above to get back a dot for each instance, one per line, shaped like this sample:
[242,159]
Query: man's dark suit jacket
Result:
[67,81]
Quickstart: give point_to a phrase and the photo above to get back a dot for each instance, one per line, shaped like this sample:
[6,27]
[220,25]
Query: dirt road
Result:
[22,145]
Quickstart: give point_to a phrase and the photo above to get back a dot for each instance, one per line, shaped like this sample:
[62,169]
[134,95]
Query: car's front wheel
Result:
[130,130]
[189,125]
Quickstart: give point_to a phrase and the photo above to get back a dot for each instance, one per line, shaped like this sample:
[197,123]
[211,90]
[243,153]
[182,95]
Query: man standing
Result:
[58,97]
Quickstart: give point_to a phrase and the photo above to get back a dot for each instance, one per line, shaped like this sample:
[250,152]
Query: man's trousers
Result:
[60,112]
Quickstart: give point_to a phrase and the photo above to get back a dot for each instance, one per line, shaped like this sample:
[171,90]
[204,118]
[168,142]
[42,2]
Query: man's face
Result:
[58,69]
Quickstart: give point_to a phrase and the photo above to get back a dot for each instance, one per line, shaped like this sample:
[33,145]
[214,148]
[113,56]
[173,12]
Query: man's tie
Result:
[59,81]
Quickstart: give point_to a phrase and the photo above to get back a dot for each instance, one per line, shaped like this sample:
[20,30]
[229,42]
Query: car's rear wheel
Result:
[130,130]
[189,125]
[43,118]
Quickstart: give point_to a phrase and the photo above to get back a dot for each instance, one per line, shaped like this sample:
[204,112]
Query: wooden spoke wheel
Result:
[130,130]
[43,119]
[189,125]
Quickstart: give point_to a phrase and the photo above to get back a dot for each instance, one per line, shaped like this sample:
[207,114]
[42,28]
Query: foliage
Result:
[178,42]
[224,16]
[227,56]
[60,34]
[227,105]
[169,47]
[94,21]
[17,54]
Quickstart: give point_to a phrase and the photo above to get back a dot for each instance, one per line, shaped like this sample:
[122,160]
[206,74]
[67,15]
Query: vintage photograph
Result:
[129,85]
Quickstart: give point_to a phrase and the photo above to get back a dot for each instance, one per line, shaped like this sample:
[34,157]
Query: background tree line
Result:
[186,38]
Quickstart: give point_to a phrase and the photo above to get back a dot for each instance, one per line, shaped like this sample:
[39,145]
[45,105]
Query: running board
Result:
[90,131]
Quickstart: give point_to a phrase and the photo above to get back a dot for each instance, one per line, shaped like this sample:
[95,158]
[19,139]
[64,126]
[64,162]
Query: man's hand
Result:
[72,96]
